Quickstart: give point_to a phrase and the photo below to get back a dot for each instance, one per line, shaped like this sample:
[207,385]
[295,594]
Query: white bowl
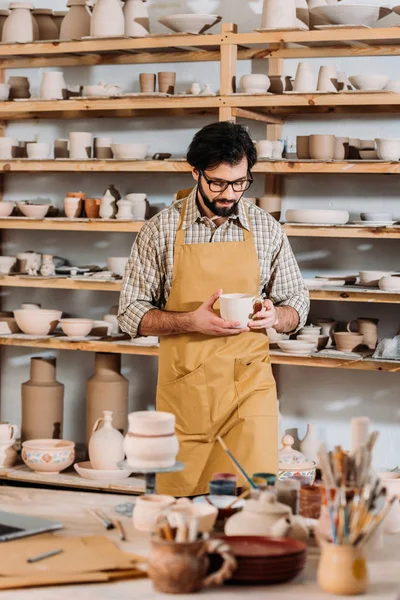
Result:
[376,216]
[325,217]
[255,83]
[349,14]
[190,23]
[369,82]
[48,456]
[4,91]
[34,211]
[390,283]
[371,278]
[85,470]
[388,148]
[7,263]
[130,151]
[369,154]
[116,264]
[37,321]
[320,342]
[76,327]
[6,208]
[297,347]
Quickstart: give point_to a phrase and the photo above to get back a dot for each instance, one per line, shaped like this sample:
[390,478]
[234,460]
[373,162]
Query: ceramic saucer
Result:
[85,470]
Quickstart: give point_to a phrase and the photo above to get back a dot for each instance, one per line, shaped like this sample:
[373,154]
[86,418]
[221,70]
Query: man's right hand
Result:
[205,321]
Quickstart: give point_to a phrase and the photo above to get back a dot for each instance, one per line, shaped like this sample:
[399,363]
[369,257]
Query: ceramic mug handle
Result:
[228,566]
[97,423]
[14,431]
[350,323]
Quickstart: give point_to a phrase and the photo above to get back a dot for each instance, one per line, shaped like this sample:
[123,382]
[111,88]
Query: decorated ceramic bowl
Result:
[294,464]
[48,456]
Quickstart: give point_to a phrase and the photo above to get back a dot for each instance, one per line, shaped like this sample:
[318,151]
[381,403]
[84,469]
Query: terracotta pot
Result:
[106,445]
[18,26]
[166,82]
[342,570]
[42,402]
[348,342]
[76,23]
[327,79]
[341,148]
[107,389]
[136,15]
[271,205]
[322,147]
[92,208]
[303,147]
[310,501]
[107,19]
[47,27]
[368,328]
[147,82]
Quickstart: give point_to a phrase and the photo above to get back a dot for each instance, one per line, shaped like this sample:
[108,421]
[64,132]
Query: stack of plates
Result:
[263,560]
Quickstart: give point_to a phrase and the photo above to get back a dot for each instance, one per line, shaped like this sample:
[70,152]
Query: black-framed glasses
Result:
[217,185]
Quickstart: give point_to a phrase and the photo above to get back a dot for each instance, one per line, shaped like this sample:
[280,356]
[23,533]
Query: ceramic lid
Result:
[292,459]
[267,505]
[27,5]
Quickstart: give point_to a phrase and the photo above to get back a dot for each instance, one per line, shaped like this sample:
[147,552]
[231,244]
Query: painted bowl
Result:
[48,456]
[37,321]
[307,471]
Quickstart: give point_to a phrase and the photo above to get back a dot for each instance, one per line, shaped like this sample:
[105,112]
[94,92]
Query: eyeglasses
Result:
[240,185]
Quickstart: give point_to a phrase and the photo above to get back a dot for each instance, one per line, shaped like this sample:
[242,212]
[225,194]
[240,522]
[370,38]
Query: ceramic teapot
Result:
[267,517]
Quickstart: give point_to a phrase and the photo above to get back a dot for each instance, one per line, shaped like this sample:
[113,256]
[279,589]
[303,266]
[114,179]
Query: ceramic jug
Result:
[8,433]
[76,23]
[108,207]
[107,19]
[369,329]
[278,15]
[106,445]
[53,86]
[18,26]
[137,22]
[124,209]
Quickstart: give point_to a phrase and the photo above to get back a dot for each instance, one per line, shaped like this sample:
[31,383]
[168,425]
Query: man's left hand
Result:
[265,318]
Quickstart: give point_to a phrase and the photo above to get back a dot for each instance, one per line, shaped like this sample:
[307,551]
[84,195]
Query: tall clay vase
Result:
[76,23]
[137,22]
[46,25]
[106,390]
[3,17]
[42,402]
[19,26]
[107,19]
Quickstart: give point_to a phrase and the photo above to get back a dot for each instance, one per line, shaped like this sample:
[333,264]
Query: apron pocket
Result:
[255,388]
[187,399]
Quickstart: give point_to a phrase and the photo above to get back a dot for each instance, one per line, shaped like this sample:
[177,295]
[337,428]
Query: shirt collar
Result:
[193,214]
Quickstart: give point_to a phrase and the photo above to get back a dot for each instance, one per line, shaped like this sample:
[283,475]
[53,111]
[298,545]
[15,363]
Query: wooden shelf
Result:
[314,167]
[344,231]
[351,294]
[64,224]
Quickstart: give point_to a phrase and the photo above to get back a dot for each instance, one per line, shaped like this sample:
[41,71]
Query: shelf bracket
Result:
[254,115]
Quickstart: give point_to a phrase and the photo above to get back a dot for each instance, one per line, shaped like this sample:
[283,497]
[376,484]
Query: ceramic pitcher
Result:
[137,22]
[107,19]
[369,329]
[106,444]
[53,86]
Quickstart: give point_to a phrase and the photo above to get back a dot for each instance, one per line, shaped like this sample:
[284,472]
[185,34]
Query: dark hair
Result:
[218,143]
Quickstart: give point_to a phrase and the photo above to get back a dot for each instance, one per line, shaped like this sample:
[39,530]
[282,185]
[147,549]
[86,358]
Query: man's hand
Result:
[265,318]
[206,321]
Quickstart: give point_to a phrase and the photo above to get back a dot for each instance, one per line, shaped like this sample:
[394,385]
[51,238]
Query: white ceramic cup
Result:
[8,432]
[6,144]
[80,145]
[264,149]
[237,307]
[278,14]
[38,150]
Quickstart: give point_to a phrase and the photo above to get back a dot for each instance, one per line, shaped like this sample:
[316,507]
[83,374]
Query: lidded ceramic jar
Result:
[76,23]
[293,463]
[19,25]
[151,441]
[106,446]
[137,22]
[107,19]
[47,27]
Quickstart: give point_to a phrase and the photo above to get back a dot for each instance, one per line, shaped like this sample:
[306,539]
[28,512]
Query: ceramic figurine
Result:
[195,89]
[107,19]
[106,445]
[108,207]
[76,23]
[48,268]
[151,441]
[18,26]
[137,22]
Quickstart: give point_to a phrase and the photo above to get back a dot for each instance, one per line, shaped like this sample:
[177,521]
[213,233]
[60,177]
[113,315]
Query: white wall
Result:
[323,396]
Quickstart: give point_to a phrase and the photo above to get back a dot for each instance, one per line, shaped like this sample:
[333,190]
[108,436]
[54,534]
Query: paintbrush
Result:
[236,463]
[242,495]
[101,517]
[365,535]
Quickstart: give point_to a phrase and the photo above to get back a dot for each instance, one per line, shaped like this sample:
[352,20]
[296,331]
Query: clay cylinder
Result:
[166,82]
[147,82]
[107,390]
[42,402]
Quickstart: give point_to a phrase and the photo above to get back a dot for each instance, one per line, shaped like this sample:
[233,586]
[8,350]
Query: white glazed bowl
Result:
[85,470]
[369,82]
[390,283]
[331,217]
[116,264]
[255,83]
[349,14]
[371,278]
[76,327]
[4,91]
[376,216]
[7,263]
[130,151]
[297,347]
[34,211]
[388,148]
[48,456]
[151,423]
[37,321]
[190,23]
[6,208]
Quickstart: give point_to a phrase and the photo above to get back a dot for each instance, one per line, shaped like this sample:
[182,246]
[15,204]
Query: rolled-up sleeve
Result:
[142,283]
[286,286]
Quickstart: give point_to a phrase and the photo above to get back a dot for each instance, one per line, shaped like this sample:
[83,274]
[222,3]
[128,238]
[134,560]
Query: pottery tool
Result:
[236,463]
[120,529]
[102,518]
[39,557]
[241,497]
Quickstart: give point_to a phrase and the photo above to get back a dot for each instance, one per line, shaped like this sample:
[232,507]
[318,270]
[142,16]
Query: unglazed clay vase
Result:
[53,86]
[107,389]
[166,82]
[107,19]
[151,441]
[76,23]
[341,148]
[342,570]
[347,342]
[322,147]
[304,81]
[302,14]
[147,83]
[108,208]
[303,147]
[106,445]
[327,79]
[137,22]
[368,328]
[328,327]
[47,27]
[278,15]
[8,454]
[271,205]
[18,27]
[58,17]
[42,402]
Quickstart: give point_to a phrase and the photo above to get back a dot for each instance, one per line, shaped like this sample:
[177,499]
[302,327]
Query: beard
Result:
[219,211]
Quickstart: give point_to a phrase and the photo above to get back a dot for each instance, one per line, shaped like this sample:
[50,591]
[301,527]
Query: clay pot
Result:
[278,15]
[47,27]
[18,26]
[341,148]
[106,445]
[151,440]
[61,148]
[92,208]
[304,81]
[42,402]
[264,149]
[280,84]
[368,328]
[271,205]
[310,501]
[348,342]
[137,22]
[342,570]
[147,83]
[107,389]
[19,87]
[327,79]
[303,147]
[327,329]
[107,19]
[166,82]
[76,23]
[73,207]
[124,210]
[53,86]
[322,147]
[80,145]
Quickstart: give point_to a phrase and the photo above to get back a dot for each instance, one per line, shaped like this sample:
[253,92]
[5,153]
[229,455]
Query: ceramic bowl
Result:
[348,341]
[34,211]
[325,217]
[253,84]
[376,216]
[320,342]
[349,14]
[274,337]
[371,278]
[390,283]
[4,91]
[369,82]
[305,471]
[38,150]
[205,514]
[151,423]
[6,208]
[76,327]
[297,347]
[312,330]
[190,23]
[116,264]
[369,155]
[48,456]
[101,91]
[7,263]
[37,321]
[388,148]
[130,151]
[85,470]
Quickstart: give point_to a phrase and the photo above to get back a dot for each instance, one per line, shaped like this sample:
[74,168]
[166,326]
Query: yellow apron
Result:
[216,385]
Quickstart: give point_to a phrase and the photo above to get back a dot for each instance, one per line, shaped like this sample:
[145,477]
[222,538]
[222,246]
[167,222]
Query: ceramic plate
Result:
[219,501]
[86,471]
[341,27]
[79,338]
[310,93]
[25,336]
[374,223]
[266,29]
[321,282]
[251,94]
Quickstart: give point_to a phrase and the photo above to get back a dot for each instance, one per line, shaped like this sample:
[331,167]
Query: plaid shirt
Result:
[148,274]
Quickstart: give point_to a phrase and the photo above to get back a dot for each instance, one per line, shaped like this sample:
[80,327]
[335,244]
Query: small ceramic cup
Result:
[166,82]
[322,147]
[222,487]
[148,508]
[38,150]
[73,207]
[341,148]
[348,342]
[147,83]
